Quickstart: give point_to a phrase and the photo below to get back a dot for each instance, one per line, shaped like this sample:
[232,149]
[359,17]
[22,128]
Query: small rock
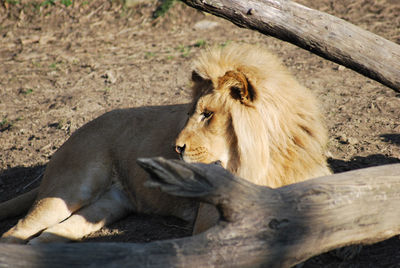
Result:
[205,25]
[46,39]
[352,141]
[343,139]
[26,40]
[110,77]
[9,34]
[133,3]
[341,68]
[44,148]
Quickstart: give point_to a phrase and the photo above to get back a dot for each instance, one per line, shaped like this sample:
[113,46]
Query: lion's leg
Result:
[44,213]
[110,207]
[64,190]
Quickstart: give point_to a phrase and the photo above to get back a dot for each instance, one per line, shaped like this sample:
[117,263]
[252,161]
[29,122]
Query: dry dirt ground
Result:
[61,66]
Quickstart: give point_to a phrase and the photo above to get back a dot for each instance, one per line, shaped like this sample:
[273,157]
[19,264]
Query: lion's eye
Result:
[207,114]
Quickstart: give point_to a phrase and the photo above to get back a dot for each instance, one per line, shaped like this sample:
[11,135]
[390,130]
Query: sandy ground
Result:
[62,66]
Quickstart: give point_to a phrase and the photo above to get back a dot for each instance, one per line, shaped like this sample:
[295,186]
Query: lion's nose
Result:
[180,149]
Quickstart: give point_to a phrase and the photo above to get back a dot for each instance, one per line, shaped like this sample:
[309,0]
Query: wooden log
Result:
[318,32]
[259,226]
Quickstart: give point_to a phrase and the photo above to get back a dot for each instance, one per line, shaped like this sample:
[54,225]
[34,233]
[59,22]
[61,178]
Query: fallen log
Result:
[318,32]
[259,226]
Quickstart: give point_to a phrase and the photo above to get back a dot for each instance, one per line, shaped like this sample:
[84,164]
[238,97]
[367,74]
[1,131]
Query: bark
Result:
[318,32]
[259,226]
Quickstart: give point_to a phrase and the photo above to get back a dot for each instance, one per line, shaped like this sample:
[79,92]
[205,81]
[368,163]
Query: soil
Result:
[61,66]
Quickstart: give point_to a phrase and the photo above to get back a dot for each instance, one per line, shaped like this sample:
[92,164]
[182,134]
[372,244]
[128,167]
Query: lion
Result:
[247,113]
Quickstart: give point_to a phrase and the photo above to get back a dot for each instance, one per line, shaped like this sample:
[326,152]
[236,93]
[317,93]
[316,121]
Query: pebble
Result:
[110,77]
[205,25]
[347,140]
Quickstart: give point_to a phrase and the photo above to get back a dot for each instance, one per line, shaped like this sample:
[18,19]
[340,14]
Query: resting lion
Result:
[247,112]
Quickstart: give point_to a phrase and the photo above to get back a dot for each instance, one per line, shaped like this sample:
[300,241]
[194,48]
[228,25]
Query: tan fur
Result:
[247,112]
[262,116]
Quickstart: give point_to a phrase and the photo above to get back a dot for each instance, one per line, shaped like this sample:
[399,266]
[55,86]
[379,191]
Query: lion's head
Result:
[254,117]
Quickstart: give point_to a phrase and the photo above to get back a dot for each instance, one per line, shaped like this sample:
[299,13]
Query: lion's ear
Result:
[239,86]
[196,77]
[200,85]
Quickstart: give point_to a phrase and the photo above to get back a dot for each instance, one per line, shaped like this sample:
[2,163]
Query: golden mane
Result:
[280,137]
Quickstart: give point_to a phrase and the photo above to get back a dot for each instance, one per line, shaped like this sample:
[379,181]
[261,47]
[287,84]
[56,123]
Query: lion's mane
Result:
[281,137]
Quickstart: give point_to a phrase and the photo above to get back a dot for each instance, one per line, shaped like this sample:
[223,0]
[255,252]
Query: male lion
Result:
[247,112]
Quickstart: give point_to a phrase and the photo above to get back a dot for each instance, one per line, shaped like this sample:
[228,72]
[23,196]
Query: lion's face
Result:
[204,138]
[209,135]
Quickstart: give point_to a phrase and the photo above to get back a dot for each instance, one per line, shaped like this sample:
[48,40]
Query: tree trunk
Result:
[259,226]
[318,32]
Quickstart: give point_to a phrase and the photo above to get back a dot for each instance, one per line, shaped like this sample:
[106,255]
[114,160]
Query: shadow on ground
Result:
[17,180]
[358,162]
[391,138]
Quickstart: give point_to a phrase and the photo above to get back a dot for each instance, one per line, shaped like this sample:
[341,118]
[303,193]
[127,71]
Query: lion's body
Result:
[248,113]
[101,157]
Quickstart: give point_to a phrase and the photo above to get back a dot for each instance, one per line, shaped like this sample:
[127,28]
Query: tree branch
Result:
[318,32]
[259,226]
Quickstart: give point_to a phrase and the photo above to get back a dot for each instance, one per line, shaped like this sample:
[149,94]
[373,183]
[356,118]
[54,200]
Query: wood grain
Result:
[259,226]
